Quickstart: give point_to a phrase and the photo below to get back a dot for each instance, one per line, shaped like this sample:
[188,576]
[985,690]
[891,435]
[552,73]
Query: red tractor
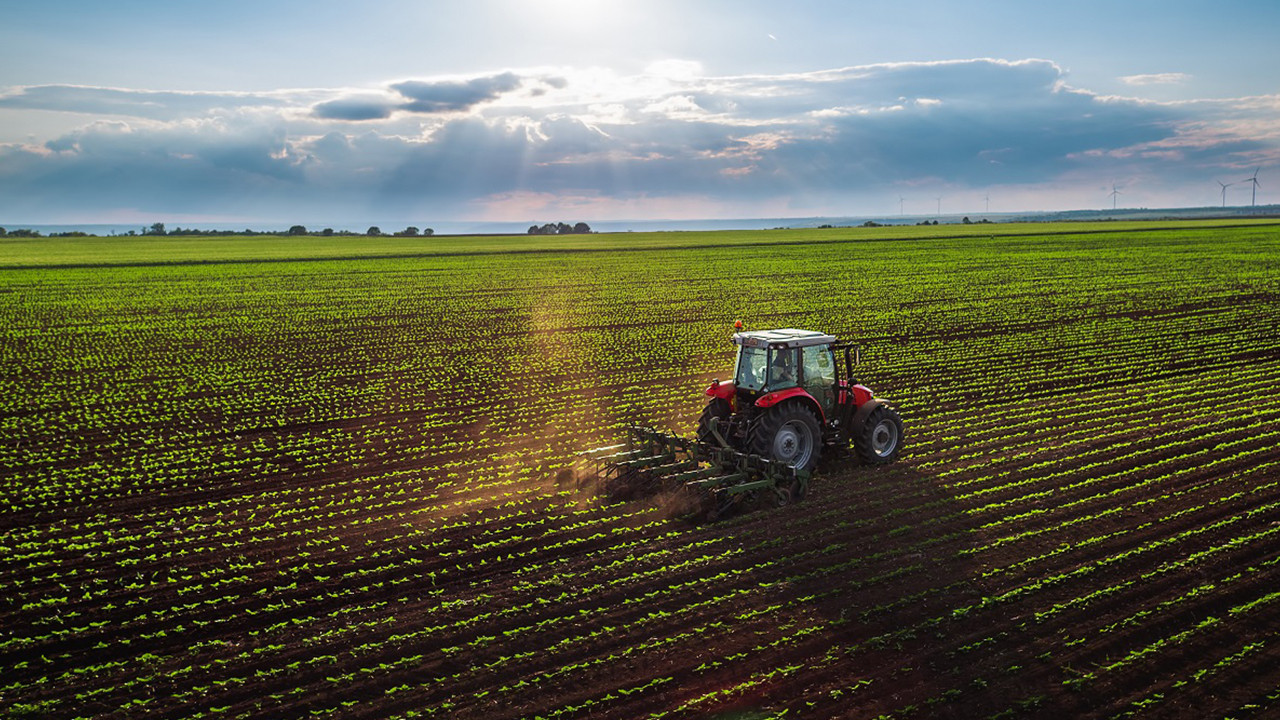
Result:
[761,435]
[789,400]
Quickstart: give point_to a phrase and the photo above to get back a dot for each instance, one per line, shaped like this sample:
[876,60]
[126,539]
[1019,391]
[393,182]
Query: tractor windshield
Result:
[761,369]
[752,364]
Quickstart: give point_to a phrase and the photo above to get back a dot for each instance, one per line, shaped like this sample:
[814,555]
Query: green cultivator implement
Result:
[704,478]
[760,436]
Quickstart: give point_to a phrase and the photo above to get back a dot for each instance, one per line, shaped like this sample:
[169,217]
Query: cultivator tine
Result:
[684,478]
[715,482]
[607,449]
[616,456]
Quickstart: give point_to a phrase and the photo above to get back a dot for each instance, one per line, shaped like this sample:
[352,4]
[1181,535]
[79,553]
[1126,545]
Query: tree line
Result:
[28,232]
[373,231]
[560,229]
[159,229]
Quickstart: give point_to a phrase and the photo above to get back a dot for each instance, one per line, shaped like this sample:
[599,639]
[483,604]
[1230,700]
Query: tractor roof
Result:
[783,338]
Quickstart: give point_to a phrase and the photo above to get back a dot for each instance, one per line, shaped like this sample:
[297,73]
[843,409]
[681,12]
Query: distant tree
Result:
[3,232]
[428,232]
[966,220]
[156,229]
[373,231]
[559,228]
[298,230]
[410,231]
[24,232]
[327,232]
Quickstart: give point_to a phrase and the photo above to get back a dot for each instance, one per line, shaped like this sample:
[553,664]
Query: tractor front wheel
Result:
[789,434]
[879,440]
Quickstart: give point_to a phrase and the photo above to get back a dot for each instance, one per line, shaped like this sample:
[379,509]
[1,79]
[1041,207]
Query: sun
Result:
[576,15]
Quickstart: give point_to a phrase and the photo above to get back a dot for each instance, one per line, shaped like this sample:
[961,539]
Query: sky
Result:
[321,112]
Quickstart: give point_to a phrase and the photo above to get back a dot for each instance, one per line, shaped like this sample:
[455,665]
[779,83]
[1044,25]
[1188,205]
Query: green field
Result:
[20,252]
[326,477]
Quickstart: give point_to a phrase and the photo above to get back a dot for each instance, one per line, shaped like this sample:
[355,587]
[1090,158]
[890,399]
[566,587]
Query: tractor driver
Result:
[783,373]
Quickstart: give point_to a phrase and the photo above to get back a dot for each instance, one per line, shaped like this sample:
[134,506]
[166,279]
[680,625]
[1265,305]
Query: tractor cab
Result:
[771,361]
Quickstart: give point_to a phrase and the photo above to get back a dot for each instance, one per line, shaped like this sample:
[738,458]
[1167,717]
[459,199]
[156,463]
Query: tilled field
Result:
[341,488]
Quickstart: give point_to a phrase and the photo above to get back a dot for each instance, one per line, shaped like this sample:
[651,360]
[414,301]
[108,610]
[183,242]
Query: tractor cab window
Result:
[820,376]
[753,364]
[783,369]
[819,366]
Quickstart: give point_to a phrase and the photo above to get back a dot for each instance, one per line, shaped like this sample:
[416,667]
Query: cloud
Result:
[361,107]
[446,96]
[676,69]
[195,168]
[432,96]
[680,107]
[134,103]
[1156,79]
[413,96]
[667,140]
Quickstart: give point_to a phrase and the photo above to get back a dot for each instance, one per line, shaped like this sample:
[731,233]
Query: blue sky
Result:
[343,113]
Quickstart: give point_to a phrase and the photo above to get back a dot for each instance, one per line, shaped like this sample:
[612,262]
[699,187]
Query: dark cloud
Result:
[354,108]
[446,96]
[429,96]
[185,168]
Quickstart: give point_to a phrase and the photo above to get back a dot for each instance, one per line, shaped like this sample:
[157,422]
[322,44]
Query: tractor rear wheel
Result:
[879,440]
[717,409]
[789,434]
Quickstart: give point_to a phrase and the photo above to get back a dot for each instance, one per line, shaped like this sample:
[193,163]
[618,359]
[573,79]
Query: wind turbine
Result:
[988,199]
[1224,191]
[939,204]
[1114,193]
[1253,180]
[900,211]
